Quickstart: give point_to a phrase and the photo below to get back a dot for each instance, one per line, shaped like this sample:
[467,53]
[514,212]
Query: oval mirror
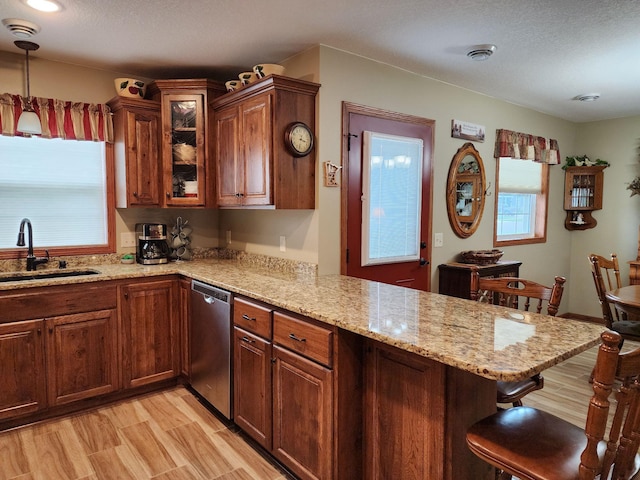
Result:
[465,191]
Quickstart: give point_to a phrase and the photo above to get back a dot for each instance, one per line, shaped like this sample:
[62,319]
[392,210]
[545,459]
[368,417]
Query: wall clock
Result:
[298,138]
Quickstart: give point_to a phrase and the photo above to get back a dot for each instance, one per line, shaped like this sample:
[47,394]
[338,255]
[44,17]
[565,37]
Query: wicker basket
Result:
[481,257]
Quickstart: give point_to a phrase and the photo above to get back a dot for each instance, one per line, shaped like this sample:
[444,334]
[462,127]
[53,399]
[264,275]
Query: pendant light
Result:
[28,122]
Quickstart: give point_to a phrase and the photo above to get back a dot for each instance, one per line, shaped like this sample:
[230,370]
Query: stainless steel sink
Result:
[20,277]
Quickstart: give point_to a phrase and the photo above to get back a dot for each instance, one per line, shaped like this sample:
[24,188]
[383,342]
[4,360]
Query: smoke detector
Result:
[588,97]
[481,52]
[21,28]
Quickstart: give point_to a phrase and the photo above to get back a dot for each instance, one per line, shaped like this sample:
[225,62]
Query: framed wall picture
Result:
[467,131]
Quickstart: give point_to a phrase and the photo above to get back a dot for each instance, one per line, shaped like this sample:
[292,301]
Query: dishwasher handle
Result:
[209,299]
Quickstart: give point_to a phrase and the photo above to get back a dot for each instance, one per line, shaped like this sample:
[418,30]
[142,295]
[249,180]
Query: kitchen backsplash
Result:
[248,259]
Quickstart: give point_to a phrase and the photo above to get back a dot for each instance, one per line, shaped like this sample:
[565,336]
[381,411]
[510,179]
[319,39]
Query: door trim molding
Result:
[347,109]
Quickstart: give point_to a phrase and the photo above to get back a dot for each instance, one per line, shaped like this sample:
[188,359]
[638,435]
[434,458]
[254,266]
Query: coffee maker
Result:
[152,246]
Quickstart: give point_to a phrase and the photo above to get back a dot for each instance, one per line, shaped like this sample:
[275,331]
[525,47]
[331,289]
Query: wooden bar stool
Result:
[513,292]
[531,444]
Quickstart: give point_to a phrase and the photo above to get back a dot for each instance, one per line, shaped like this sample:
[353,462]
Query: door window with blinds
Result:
[391,200]
[60,186]
[521,205]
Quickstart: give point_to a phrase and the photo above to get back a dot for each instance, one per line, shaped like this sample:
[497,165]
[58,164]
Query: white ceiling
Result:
[548,51]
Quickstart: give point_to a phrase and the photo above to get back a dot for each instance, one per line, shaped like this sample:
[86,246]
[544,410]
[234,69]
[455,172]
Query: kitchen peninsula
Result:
[411,370]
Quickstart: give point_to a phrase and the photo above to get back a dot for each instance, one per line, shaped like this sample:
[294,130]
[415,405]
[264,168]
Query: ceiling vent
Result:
[21,28]
[481,52]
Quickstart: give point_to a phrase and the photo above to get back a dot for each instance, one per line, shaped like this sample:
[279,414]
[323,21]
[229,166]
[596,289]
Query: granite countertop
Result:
[490,341]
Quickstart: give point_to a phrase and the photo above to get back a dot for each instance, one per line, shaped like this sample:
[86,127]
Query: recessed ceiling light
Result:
[588,97]
[481,52]
[44,5]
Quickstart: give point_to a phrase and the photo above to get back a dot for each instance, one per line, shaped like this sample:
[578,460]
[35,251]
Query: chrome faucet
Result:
[32,260]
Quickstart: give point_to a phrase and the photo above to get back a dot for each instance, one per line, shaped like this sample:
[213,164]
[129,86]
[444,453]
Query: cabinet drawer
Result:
[310,340]
[55,301]
[252,317]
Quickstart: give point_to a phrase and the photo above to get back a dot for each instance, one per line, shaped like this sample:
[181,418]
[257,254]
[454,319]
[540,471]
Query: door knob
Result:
[423,262]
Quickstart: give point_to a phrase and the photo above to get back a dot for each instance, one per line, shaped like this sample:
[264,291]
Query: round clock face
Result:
[299,139]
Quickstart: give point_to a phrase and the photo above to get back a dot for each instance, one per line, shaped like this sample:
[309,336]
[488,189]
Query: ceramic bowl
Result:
[233,85]
[130,87]
[184,154]
[264,69]
[247,77]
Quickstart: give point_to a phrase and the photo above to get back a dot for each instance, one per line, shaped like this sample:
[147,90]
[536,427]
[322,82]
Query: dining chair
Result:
[532,444]
[603,268]
[514,292]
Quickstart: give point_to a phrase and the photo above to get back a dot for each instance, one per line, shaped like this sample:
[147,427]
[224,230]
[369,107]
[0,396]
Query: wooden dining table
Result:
[626,299]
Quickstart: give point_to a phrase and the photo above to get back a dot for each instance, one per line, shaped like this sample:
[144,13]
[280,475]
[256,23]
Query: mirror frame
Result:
[462,226]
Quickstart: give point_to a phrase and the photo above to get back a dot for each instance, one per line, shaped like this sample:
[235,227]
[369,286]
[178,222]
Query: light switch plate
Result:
[283,243]
[438,239]
[128,239]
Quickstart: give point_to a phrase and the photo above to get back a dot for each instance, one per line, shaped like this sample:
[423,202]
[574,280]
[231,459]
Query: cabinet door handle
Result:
[293,336]
[126,295]
[168,195]
[247,339]
[50,329]
[135,194]
[247,317]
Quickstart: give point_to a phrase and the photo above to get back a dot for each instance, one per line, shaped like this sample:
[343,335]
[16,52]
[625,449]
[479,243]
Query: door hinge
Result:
[349,135]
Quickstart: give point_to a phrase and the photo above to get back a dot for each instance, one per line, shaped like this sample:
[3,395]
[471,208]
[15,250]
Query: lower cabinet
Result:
[404,415]
[283,394]
[150,331]
[82,360]
[22,375]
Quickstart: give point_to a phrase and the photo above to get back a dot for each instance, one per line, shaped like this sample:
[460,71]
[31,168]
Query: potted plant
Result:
[583,161]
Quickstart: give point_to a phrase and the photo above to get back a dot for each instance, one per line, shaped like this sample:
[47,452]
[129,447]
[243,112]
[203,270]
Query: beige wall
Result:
[314,236]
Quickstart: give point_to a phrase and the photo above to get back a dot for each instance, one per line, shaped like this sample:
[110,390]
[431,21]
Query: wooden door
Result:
[252,386]
[415,272]
[256,151]
[22,374]
[142,151]
[150,332]
[82,357]
[302,415]
[185,327]
[229,168]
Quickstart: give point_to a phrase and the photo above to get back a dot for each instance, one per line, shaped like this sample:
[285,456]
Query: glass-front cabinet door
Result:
[183,150]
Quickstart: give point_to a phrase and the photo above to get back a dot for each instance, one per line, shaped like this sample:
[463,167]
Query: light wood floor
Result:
[161,436]
[170,436]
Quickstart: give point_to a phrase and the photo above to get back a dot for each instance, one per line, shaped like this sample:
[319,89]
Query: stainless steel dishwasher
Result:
[210,345]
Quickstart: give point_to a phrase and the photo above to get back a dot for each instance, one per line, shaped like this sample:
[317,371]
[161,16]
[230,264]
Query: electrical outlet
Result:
[283,243]
[438,239]
[128,239]
[228,237]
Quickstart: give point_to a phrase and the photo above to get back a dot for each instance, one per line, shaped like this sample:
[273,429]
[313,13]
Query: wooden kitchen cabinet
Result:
[22,372]
[252,386]
[150,332]
[82,359]
[404,411]
[59,345]
[186,140]
[583,192]
[254,168]
[302,414]
[136,126]
[455,278]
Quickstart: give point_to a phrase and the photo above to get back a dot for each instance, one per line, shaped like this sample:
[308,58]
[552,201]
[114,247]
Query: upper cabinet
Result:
[136,126]
[186,141]
[582,195]
[256,164]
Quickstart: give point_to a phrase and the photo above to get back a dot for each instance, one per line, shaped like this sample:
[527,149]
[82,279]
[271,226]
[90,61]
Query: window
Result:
[63,188]
[521,205]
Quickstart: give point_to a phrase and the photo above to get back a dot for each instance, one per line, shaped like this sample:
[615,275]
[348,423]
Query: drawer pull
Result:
[247,317]
[247,339]
[293,336]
